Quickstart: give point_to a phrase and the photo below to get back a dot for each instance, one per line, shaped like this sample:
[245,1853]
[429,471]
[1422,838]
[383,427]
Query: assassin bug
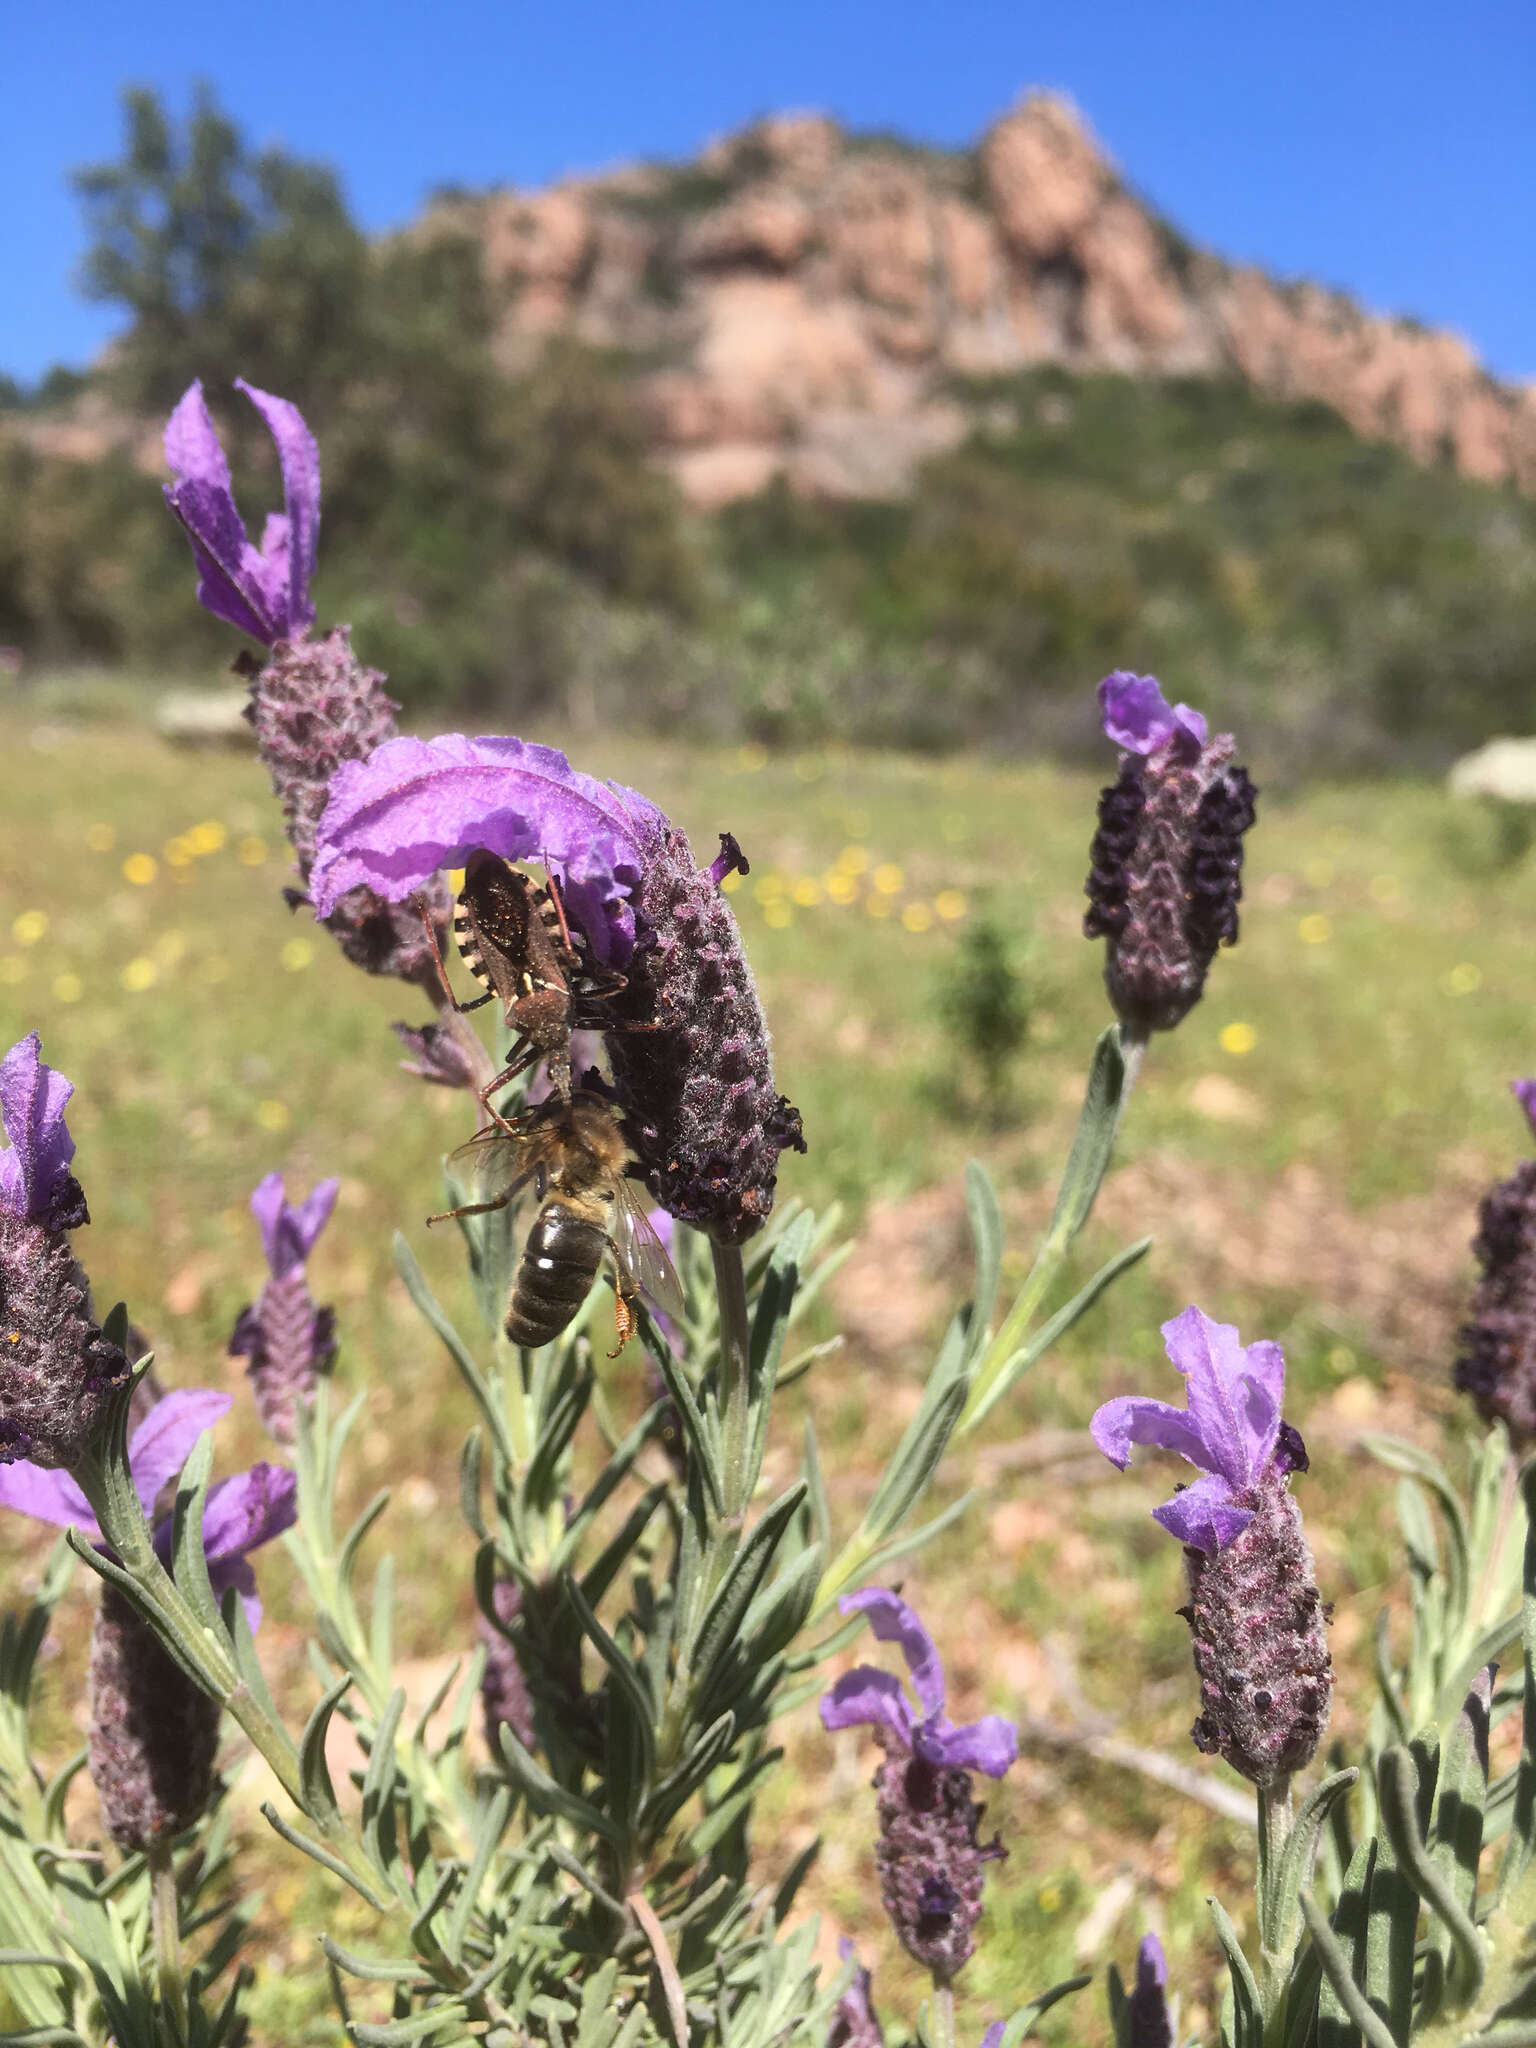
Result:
[515,940]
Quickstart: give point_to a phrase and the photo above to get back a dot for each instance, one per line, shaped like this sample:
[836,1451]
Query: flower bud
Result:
[503,1688]
[1496,1365]
[930,1860]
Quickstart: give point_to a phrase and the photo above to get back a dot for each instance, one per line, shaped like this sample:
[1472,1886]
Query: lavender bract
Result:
[262,591]
[1496,1361]
[288,1341]
[153,1732]
[1151,2025]
[1266,1678]
[855,2023]
[695,1081]
[1166,863]
[930,1860]
[57,1370]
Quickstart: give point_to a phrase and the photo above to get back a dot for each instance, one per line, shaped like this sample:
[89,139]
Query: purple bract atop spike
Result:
[262,591]
[1138,717]
[34,1172]
[868,1695]
[1525,1094]
[288,1234]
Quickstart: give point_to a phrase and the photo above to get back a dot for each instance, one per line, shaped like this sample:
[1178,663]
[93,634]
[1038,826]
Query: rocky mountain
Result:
[825,306]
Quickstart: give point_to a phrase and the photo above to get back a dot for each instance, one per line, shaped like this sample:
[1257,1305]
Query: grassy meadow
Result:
[1308,1149]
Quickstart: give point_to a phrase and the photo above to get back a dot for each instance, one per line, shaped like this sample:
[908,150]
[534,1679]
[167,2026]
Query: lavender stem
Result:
[943,2015]
[735,1353]
[165,1914]
[1274,1823]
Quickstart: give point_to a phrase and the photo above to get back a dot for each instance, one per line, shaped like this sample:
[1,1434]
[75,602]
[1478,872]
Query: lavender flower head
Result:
[1266,1678]
[1146,2021]
[1496,1364]
[153,1733]
[288,1341]
[696,1082]
[1166,862]
[57,1370]
[313,705]
[929,1857]
[855,2023]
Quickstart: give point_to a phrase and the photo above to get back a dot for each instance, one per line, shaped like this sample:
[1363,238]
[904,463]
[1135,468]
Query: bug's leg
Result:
[520,1062]
[442,972]
[558,901]
[473,1208]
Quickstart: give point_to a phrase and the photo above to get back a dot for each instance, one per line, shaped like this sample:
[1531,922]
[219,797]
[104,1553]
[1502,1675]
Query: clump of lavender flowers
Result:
[1257,1623]
[1166,862]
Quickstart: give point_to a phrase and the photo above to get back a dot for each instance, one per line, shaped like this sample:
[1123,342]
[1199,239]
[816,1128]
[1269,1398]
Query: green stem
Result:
[1274,1820]
[1067,1220]
[165,1914]
[943,2015]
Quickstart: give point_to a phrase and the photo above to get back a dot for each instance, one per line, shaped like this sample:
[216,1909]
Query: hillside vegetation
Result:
[510,551]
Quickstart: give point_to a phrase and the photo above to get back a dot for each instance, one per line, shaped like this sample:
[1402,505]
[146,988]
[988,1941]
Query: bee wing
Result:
[495,1162]
[641,1254]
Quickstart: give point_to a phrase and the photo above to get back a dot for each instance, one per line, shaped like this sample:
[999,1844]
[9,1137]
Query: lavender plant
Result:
[647,1617]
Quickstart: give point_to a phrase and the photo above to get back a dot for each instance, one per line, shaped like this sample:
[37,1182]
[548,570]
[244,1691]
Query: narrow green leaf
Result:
[1398,1788]
[624,1675]
[1461,1793]
[1336,1970]
[1094,1140]
[545,1796]
[471,1465]
[1335,2029]
[986,1223]
[317,1853]
[314,1773]
[1294,1874]
[739,1587]
[426,1301]
[1023,2021]
[489,1829]
[916,1460]
[379,1785]
[1391,1925]
[780,1610]
[1055,1327]
[389,1970]
[1521,1848]
[700,1433]
[1248,2011]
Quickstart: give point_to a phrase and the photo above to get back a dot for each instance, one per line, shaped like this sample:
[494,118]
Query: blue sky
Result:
[1388,149]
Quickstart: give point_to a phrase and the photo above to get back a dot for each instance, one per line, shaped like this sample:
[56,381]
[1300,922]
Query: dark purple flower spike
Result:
[696,1081]
[153,1732]
[262,591]
[1266,1678]
[930,1860]
[57,1370]
[288,1341]
[1150,2023]
[1496,1363]
[1166,862]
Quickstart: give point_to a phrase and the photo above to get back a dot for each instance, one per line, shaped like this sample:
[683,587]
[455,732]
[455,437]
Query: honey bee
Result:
[573,1157]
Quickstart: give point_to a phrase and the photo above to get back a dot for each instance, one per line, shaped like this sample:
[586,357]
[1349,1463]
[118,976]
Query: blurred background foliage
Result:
[508,550]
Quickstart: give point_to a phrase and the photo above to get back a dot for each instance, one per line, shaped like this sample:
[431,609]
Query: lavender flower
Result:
[1150,2025]
[503,1688]
[265,591]
[288,1341]
[854,2023]
[696,1083]
[1266,1679]
[57,1370]
[928,1855]
[153,1733]
[313,705]
[1166,861]
[1496,1364]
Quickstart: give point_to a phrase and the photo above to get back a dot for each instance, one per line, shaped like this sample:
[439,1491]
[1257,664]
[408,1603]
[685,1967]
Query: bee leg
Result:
[519,1064]
[623,1321]
[473,1208]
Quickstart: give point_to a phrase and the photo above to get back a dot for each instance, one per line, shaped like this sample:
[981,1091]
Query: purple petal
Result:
[1234,1403]
[1203,1515]
[193,452]
[994,2034]
[1136,1419]
[415,806]
[202,500]
[1151,1963]
[245,1511]
[1525,1093]
[867,1697]
[236,1571]
[163,1441]
[990,1744]
[299,459]
[1137,715]
[287,1234]
[47,1496]
[893,1621]
[32,1099]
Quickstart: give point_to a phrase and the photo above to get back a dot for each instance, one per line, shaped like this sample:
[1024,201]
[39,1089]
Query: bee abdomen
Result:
[559,1263]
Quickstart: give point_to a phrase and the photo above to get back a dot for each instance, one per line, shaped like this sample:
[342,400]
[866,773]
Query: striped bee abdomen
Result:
[554,1276]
